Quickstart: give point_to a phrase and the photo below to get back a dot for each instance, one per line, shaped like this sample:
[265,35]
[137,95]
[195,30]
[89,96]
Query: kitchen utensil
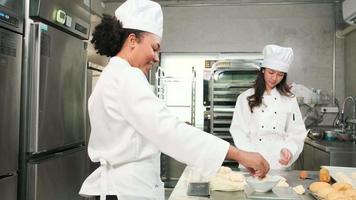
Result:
[263,185]
[277,193]
[344,135]
[200,189]
[316,134]
[330,135]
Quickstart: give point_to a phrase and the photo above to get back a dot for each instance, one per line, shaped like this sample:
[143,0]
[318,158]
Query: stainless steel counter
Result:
[180,191]
[332,146]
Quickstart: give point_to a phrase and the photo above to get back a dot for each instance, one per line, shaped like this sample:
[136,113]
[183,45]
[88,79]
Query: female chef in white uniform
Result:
[267,118]
[130,126]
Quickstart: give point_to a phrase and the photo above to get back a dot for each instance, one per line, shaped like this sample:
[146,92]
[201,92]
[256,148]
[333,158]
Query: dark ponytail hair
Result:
[255,100]
[109,36]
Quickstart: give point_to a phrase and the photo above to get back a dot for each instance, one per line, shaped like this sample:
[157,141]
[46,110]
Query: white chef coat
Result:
[129,129]
[274,125]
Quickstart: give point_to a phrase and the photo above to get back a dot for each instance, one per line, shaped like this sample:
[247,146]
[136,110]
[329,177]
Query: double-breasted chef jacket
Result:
[130,127]
[274,125]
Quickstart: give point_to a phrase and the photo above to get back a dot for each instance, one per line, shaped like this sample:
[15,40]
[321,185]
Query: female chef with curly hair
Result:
[267,117]
[130,127]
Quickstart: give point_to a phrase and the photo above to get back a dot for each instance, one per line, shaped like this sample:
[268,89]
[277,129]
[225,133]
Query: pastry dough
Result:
[323,192]
[316,186]
[227,180]
[341,186]
[299,189]
[282,183]
[342,178]
[336,196]
[351,194]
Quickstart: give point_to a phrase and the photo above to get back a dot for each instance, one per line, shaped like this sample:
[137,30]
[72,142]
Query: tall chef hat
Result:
[277,57]
[144,15]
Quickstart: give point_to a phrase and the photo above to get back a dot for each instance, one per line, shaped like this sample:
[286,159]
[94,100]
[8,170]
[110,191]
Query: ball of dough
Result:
[324,175]
[316,186]
[351,194]
[323,192]
[224,170]
[236,177]
[337,196]
[342,186]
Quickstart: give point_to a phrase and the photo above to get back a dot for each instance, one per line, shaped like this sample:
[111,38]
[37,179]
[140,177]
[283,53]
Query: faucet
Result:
[343,122]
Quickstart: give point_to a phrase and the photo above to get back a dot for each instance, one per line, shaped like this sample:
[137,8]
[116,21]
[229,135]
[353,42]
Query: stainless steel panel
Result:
[10,86]
[57,178]
[58,89]
[8,188]
[12,15]
[77,10]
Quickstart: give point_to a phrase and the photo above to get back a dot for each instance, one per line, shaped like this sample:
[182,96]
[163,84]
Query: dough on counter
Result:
[316,186]
[224,170]
[222,184]
[299,189]
[342,178]
[351,194]
[353,175]
[323,192]
[227,180]
[341,186]
[336,196]
[282,183]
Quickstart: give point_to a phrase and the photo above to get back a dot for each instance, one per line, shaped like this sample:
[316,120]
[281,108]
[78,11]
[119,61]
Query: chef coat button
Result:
[260,139]
[262,126]
[275,112]
[274,127]
[275,98]
[263,111]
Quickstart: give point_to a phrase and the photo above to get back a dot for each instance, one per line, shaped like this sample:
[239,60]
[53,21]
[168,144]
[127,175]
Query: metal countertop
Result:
[180,191]
[329,146]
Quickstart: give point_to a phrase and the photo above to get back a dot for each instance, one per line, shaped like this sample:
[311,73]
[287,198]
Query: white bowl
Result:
[263,185]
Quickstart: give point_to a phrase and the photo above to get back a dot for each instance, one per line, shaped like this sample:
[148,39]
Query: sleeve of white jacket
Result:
[296,132]
[151,118]
[239,126]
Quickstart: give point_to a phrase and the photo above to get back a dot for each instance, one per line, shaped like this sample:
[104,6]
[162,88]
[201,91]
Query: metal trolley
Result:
[228,79]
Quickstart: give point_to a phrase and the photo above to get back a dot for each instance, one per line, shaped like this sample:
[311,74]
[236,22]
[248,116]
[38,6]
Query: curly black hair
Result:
[109,36]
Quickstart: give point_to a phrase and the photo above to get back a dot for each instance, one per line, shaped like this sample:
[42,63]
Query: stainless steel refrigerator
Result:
[11,30]
[56,158]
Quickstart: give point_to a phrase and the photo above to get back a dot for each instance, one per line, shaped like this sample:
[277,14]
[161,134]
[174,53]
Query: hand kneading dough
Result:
[299,189]
[316,186]
[227,180]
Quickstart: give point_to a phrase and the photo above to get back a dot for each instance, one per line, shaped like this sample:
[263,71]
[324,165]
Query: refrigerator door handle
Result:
[34,63]
[6,175]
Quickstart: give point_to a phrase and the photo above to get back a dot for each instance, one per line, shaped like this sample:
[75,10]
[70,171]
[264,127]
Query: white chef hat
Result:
[144,15]
[277,57]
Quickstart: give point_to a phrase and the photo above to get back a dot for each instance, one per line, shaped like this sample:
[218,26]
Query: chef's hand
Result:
[286,156]
[254,162]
